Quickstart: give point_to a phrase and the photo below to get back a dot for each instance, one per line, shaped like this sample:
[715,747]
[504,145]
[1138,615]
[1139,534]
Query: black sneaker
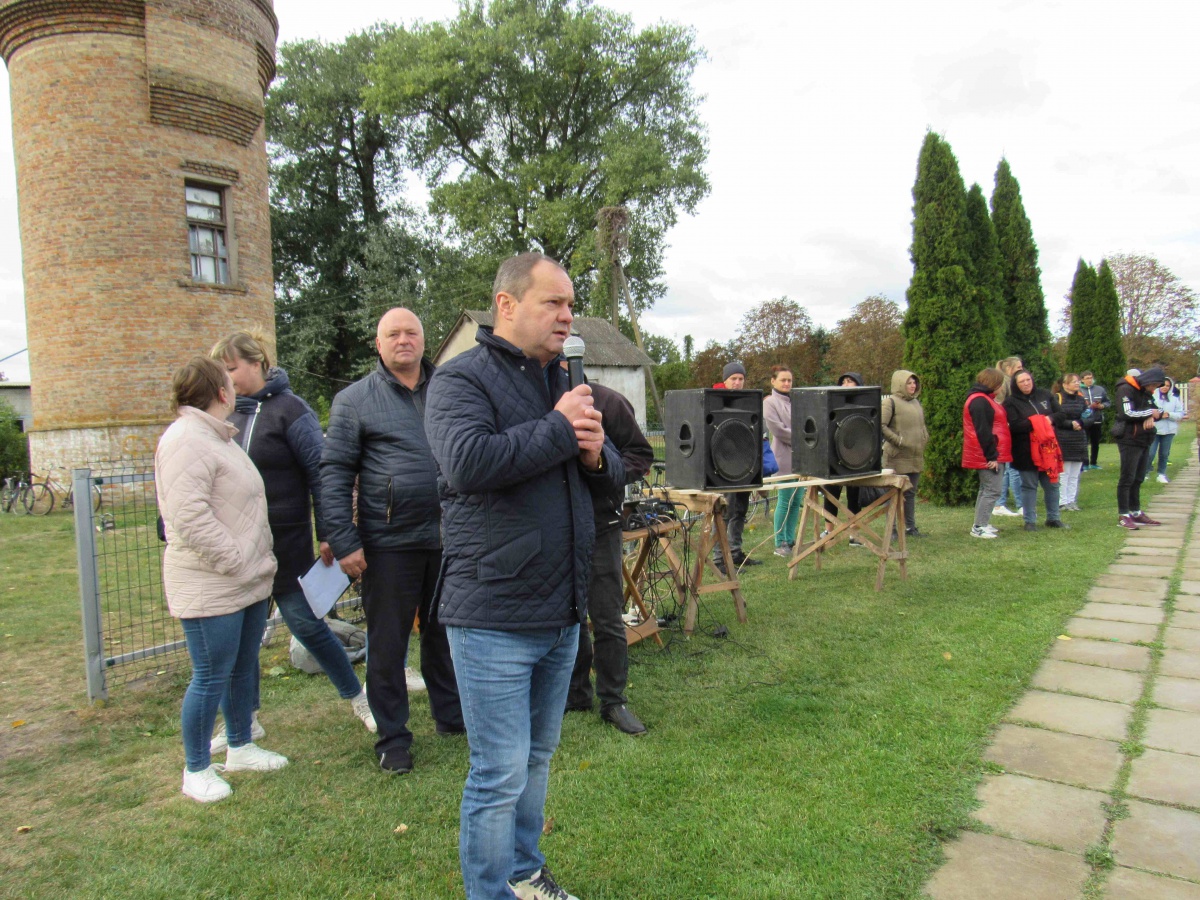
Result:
[740,559]
[396,762]
[540,886]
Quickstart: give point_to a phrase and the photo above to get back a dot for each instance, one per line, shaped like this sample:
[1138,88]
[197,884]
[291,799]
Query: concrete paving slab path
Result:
[1102,630]
[1122,612]
[1130,884]
[1118,588]
[1042,812]
[1069,758]
[1177,693]
[1090,681]
[1101,653]
[1074,715]
[988,867]
[1173,729]
[1169,777]
[1182,639]
[1180,663]
[1160,839]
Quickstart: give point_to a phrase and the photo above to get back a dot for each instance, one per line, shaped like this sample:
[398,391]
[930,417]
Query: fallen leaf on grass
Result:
[400,829]
[947,655]
[548,826]
[1063,637]
[18,723]
[275,671]
[585,765]
[24,829]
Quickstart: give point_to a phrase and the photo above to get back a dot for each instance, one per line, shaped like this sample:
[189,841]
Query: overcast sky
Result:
[815,115]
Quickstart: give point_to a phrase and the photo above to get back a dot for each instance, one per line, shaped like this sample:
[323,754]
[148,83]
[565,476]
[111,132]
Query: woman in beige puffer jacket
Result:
[217,571]
[904,438]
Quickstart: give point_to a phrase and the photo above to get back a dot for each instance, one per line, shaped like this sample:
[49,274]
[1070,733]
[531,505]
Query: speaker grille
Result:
[736,451]
[855,442]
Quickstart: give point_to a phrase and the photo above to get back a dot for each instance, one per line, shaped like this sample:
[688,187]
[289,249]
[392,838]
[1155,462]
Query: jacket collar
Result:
[222,429]
[427,370]
[488,337]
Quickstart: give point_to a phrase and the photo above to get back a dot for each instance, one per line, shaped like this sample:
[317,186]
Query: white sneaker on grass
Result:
[1163,479]
[416,683]
[362,709]
[220,741]
[1004,511]
[992,528]
[206,786]
[981,531]
[540,886]
[253,758]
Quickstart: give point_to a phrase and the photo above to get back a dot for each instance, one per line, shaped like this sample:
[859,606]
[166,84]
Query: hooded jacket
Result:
[516,504]
[858,379]
[1172,404]
[218,556]
[902,421]
[1135,408]
[282,435]
[1074,443]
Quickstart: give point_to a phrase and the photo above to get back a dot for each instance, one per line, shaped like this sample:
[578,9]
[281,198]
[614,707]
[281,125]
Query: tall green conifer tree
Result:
[1083,316]
[943,323]
[984,254]
[1108,362]
[1025,317]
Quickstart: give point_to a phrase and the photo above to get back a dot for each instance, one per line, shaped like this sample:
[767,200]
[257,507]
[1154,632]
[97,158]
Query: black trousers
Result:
[736,507]
[397,586]
[606,601]
[1095,434]
[852,502]
[1134,458]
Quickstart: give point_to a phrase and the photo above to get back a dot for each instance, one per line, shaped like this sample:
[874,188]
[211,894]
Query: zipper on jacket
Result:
[250,430]
[389,502]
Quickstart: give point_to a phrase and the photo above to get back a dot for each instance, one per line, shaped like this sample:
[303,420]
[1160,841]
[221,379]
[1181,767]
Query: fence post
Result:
[89,584]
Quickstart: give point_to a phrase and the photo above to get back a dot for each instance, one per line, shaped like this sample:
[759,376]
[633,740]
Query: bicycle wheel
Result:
[97,498]
[39,500]
[20,504]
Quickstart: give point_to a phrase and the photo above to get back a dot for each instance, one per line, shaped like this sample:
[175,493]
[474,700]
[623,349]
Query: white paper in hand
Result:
[322,585]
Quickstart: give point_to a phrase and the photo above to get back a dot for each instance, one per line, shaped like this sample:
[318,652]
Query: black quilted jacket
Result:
[516,504]
[377,432]
[282,435]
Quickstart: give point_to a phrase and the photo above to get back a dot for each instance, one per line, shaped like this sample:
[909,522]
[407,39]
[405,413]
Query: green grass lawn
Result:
[826,749]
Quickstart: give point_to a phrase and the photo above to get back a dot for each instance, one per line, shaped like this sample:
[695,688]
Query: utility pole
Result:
[612,238]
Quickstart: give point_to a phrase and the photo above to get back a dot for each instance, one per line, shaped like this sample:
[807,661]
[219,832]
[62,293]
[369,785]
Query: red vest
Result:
[972,454]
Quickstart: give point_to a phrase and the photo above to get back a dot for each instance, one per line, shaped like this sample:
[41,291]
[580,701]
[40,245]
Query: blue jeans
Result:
[322,643]
[1029,486]
[224,651]
[1160,446]
[1010,484]
[513,686]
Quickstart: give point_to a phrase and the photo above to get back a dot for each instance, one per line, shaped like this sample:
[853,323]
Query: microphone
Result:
[573,351]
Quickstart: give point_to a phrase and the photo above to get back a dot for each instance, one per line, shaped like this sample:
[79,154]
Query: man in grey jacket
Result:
[376,436]
[1097,402]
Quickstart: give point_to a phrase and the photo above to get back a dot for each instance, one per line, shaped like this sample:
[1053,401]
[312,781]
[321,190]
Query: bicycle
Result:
[14,496]
[40,498]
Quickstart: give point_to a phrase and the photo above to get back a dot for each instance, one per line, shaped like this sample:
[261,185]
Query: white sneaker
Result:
[1163,479]
[206,785]
[362,709]
[979,531]
[416,683]
[540,886]
[992,528]
[220,741]
[253,758]
[1004,511]
[783,550]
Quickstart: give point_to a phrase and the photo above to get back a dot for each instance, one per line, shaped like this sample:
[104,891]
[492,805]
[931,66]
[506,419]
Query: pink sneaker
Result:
[1127,522]
[1142,519]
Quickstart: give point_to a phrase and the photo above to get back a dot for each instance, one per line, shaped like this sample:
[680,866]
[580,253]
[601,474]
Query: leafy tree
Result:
[708,363]
[944,321]
[1081,312]
[335,167]
[983,250]
[1025,318]
[776,332]
[14,445]
[528,116]
[1155,303]
[1107,355]
[868,341]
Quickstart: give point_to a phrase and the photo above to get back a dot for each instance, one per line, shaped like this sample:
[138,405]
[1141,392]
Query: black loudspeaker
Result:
[835,431]
[714,439]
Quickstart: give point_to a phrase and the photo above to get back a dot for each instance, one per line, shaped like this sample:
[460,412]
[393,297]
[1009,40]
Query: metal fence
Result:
[128,632]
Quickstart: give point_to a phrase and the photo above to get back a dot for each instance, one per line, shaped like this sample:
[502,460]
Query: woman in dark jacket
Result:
[1022,404]
[282,436]
[1071,431]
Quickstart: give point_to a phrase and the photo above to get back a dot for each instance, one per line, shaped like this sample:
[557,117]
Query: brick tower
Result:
[142,196]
